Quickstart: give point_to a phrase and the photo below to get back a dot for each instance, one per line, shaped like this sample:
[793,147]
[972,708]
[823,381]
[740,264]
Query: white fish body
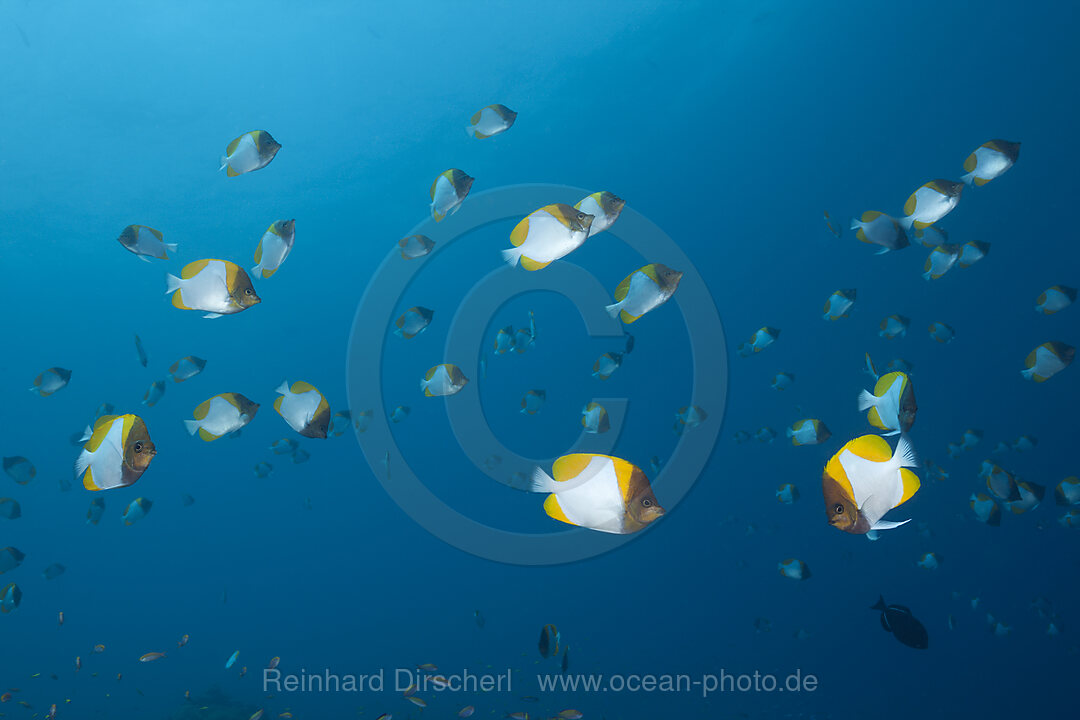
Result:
[298,409]
[547,240]
[222,418]
[1047,364]
[208,290]
[593,499]
[106,464]
[642,296]
[273,248]
[888,405]
[878,486]
[440,384]
[245,157]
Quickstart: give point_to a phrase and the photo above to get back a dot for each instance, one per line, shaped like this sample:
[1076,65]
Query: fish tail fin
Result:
[541,482]
[968,178]
[511,256]
[907,222]
[283,388]
[192,426]
[470,130]
[1028,374]
[87,433]
[867,400]
[172,283]
[614,309]
[171,247]
[905,452]
[224,162]
[82,463]
[855,224]
[880,605]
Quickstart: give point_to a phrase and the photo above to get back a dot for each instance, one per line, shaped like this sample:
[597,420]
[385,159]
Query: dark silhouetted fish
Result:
[898,620]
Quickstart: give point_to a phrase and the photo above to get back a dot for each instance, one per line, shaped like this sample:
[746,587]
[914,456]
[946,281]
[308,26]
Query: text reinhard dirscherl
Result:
[418,681]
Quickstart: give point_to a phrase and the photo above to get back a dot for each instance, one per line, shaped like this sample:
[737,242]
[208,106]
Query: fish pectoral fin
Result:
[211,316]
[888,524]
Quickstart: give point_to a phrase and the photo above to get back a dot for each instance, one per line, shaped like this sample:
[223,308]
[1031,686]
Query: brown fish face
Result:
[908,408]
[581,222]
[288,228]
[269,147]
[244,295]
[669,279]
[644,508]
[840,510]
[142,452]
[612,204]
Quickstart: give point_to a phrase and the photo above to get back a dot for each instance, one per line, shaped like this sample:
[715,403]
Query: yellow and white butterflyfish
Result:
[1000,482]
[828,224]
[490,121]
[877,228]
[136,510]
[504,340]
[864,480]
[985,509]
[443,380]
[931,202]
[931,236]
[251,151]
[689,417]
[765,435]
[1067,491]
[808,432]
[220,415]
[989,161]
[839,304]
[928,561]
[782,381]
[940,260]
[787,494]
[971,438]
[145,242]
[545,235]
[894,326]
[217,287]
[605,208]
[186,368]
[1047,360]
[643,290]
[972,252]
[49,381]
[154,393]
[117,453]
[304,408]
[606,365]
[598,492]
[941,332]
[532,401]
[891,405]
[794,569]
[96,510]
[10,597]
[760,340]
[1054,299]
[1070,519]
[413,322]
[448,192]
[594,418]
[415,246]
[1031,495]
[274,247]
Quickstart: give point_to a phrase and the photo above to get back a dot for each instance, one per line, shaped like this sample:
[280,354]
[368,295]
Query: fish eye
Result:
[248,291]
[646,503]
[581,216]
[838,508]
[138,446]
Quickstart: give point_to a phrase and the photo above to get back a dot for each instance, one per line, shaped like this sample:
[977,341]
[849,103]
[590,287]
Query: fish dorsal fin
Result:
[623,288]
[202,409]
[232,146]
[569,467]
[435,184]
[650,272]
[969,163]
[101,430]
[194,268]
[301,386]
[909,206]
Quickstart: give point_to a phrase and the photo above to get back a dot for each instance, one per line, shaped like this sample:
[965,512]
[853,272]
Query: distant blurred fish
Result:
[251,151]
[263,469]
[794,569]
[399,413]
[594,418]
[877,228]
[532,401]
[765,435]
[490,121]
[808,432]
[781,381]
[549,641]
[274,247]
[787,494]
[606,365]
[985,509]
[899,621]
[931,236]
[504,340]
[10,508]
[51,380]
[19,469]
[605,207]
[972,252]
[154,393]
[145,242]
[839,304]
[443,380]
[97,508]
[828,224]
[990,160]
[284,446]
[448,192]
[413,322]
[415,246]
[1047,360]
[760,340]
[339,423]
[894,326]
[940,260]
[1067,491]
[137,510]
[186,368]
[1055,298]
[941,332]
